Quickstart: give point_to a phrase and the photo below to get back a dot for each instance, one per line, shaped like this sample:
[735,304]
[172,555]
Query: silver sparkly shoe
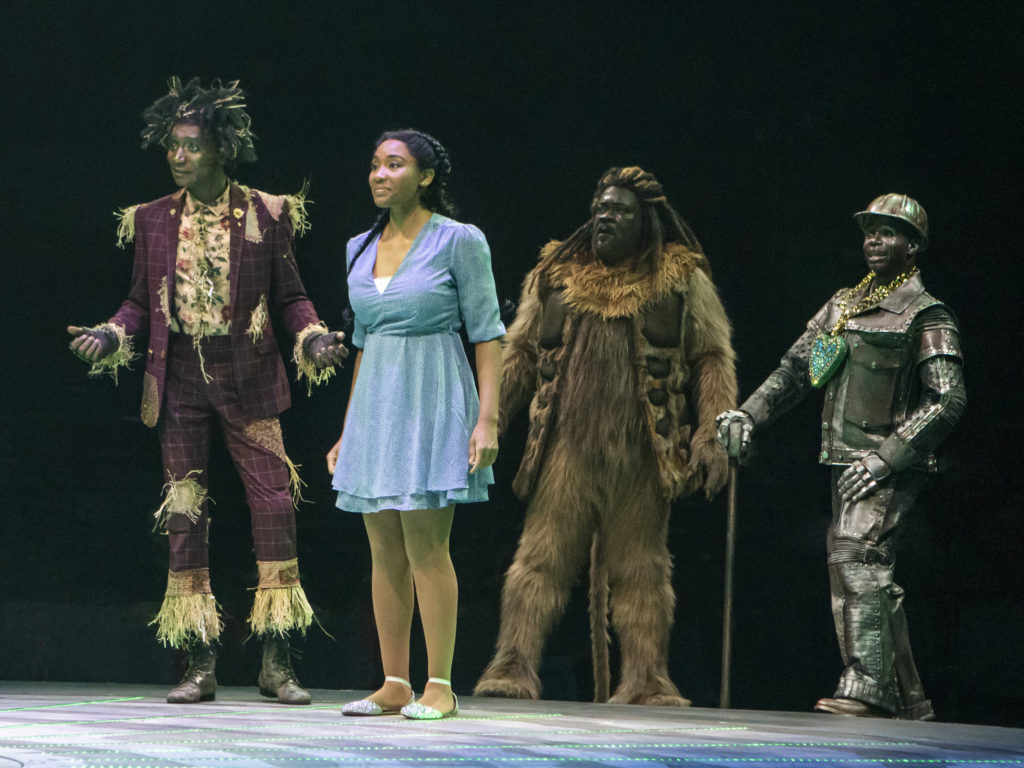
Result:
[370,708]
[416,711]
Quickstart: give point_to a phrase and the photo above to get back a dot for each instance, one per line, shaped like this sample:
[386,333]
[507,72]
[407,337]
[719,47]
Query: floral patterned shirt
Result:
[202,292]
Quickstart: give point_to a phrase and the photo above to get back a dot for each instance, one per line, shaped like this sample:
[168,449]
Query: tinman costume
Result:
[624,369]
[898,394]
[205,283]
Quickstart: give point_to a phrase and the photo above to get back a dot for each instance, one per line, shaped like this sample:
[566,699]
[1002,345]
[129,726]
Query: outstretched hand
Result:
[327,349]
[91,345]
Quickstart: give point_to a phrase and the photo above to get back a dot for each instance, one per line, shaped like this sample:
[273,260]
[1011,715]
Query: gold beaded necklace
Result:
[875,297]
[829,349]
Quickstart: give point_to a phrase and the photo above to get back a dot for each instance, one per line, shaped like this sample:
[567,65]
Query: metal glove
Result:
[734,432]
[862,477]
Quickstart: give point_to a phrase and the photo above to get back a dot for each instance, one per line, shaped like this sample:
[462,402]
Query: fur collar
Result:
[620,291]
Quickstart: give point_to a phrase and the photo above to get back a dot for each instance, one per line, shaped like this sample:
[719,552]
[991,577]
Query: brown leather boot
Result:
[199,683]
[277,680]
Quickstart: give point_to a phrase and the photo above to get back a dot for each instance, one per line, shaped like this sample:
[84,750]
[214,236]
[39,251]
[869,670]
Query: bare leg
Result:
[426,534]
[392,602]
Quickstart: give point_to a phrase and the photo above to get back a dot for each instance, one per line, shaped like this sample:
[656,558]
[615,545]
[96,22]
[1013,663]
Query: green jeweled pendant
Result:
[827,354]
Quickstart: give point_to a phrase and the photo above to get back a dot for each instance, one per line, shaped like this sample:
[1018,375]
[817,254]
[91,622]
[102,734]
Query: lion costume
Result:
[625,368]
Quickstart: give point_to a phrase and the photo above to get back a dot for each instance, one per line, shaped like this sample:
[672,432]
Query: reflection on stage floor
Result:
[45,725]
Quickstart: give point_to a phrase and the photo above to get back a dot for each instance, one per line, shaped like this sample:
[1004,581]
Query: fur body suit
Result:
[625,371]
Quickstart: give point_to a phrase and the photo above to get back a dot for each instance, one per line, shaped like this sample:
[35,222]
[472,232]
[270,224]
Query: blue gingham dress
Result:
[406,439]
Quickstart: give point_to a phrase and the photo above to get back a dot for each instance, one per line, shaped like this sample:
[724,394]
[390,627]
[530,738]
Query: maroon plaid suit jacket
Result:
[262,265]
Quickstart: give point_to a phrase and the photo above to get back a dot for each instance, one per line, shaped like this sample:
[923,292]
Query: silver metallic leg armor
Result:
[867,604]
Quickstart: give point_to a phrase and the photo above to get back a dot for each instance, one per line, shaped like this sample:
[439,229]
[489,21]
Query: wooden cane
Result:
[730,550]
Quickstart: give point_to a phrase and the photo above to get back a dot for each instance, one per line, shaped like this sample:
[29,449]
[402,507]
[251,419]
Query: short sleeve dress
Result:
[406,438]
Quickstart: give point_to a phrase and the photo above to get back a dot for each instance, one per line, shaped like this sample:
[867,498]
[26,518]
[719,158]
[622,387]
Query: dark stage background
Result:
[769,125]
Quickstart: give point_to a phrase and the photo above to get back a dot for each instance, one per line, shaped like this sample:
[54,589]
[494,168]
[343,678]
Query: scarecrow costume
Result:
[207,278]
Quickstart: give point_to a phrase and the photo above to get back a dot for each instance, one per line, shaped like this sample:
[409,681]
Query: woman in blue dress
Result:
[417,439]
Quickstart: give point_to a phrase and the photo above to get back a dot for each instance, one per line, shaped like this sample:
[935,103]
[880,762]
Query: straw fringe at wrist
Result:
[314,376]
[121,357]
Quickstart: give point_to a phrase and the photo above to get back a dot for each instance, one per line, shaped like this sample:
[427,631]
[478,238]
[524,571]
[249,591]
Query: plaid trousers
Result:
[191,405]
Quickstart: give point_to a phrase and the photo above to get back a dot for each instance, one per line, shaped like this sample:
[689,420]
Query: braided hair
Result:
[429,154]
[660,225]
[219,111]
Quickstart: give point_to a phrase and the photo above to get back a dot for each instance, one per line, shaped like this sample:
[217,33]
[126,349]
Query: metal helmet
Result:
[901,207]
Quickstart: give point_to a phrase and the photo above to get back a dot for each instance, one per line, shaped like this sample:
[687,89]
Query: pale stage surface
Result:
[45,725]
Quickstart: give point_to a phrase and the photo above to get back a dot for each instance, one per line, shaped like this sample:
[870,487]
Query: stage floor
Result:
[43,725]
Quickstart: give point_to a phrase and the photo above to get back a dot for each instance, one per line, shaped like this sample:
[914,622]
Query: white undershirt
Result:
[382,282]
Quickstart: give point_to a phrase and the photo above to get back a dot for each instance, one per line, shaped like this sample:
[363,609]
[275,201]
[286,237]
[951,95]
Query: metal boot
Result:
[199,683]
[277,680]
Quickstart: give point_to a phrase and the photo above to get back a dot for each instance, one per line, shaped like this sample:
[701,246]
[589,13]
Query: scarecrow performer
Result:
[622,348]
[213,262]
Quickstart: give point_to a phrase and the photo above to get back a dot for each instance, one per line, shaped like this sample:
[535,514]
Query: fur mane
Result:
[620,290]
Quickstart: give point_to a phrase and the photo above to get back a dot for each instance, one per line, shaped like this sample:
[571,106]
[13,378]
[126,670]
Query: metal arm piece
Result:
[785,387]
[942,402]
[942,395]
